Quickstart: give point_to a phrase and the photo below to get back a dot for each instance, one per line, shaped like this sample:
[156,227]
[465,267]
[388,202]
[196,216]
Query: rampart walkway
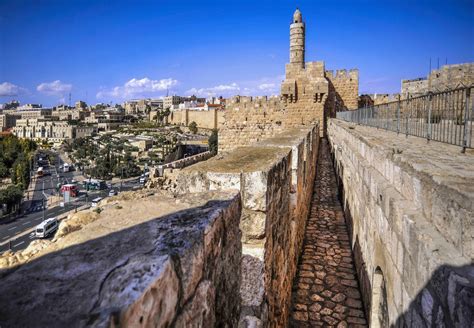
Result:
[326,291]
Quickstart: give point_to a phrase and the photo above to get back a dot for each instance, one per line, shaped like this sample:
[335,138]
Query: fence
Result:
[445,116]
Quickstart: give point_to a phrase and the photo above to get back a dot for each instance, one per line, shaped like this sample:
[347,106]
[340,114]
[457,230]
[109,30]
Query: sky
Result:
[112,51]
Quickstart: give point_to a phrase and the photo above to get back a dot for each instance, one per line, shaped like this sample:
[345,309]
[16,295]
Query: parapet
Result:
[342,74]
[274,179]
[146,262]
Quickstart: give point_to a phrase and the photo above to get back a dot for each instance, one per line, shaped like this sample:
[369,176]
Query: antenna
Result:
[438,62]
[69,99]
[167,92]
[430,66]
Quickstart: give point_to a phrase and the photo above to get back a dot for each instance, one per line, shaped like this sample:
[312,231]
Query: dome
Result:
[297,17]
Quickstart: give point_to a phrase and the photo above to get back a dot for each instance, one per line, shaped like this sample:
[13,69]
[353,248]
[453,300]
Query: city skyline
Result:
[103,52]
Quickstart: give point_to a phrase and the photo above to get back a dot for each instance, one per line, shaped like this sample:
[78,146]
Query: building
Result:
[55,131]
[80,105]
[141,142]
[7,121]
[169,101]
[45,130]
[309,93]
[31,113]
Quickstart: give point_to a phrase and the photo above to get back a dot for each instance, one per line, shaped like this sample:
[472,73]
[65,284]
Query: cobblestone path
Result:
[326,291]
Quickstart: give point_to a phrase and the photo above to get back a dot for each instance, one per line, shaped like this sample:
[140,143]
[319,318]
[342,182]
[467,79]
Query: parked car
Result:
[112,193]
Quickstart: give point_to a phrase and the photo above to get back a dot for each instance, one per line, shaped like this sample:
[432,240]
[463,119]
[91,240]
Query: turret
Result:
[297,36]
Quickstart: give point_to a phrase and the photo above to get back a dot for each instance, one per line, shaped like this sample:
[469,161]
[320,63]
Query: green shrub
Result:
[193,127]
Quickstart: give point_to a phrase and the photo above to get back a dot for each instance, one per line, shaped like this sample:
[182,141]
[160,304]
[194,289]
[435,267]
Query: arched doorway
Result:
[379,311]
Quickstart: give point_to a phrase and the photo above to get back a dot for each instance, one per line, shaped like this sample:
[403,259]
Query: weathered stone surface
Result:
[326,235]
[411,210]
[180,265]
[272,178]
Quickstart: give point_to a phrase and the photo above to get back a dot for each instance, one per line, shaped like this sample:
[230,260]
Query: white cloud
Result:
[136,87]
[8,89]
[219,90]
[267,87]
[55,88]
[264,86]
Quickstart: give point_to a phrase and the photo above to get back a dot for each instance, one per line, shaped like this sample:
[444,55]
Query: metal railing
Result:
[444,116]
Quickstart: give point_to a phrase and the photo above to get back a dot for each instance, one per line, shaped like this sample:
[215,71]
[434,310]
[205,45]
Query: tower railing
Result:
[443,116]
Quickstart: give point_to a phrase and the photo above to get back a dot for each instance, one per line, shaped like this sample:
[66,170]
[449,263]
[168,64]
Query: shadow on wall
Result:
[179,269]
[447,300]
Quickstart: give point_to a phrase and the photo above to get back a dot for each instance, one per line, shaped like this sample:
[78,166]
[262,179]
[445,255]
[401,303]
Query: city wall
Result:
[411,222]
[445,78]
[207,119]
[156,261]
[275,180]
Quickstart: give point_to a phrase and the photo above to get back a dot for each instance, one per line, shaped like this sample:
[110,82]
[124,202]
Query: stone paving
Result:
[326,291]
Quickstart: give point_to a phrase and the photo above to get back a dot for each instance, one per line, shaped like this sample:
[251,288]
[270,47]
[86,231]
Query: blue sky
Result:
[110,51]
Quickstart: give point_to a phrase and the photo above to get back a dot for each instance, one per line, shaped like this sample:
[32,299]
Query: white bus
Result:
[96,201]
[40,171]
[45,228]
[66,167]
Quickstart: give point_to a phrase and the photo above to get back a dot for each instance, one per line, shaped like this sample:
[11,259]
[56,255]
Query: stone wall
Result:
[346,89]
[447,77]
[158,261]
[206,119]
[409,206]
[275,178]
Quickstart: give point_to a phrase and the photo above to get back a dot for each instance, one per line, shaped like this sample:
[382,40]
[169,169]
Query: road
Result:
[13,233]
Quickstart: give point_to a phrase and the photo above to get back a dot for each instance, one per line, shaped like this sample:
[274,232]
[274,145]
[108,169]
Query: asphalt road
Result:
[33,209]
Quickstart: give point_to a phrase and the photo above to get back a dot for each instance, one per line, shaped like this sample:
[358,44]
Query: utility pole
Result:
[43,201]
[121,179]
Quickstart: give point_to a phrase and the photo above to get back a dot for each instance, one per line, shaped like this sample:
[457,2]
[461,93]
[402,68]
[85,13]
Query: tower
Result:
[297,36]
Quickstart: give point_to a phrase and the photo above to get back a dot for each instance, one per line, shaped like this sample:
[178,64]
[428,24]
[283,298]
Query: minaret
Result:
[297,39]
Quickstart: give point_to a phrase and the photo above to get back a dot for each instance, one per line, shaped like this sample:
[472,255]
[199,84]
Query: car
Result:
[112,193]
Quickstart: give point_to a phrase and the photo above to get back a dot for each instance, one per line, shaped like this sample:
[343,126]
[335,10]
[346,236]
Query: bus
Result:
[96,201]
[40,171]
[66,167]
[71,188]
[45,228]
[93,184]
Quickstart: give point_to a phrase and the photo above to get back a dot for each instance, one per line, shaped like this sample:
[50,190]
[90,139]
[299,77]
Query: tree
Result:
[213,142]
[11,196]
[193,127]
[4,171]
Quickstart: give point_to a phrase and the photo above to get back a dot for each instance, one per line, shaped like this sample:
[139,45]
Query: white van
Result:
[45,228]
[96,201]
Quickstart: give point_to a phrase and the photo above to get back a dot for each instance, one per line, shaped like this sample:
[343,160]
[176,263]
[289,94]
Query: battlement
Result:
[251,102]
[378,98]
[342,74]
[415,80]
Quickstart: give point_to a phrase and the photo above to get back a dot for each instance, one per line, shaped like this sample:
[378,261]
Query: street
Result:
[18,233]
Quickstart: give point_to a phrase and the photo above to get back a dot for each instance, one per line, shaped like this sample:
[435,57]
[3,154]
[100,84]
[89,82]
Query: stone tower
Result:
[297,36]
